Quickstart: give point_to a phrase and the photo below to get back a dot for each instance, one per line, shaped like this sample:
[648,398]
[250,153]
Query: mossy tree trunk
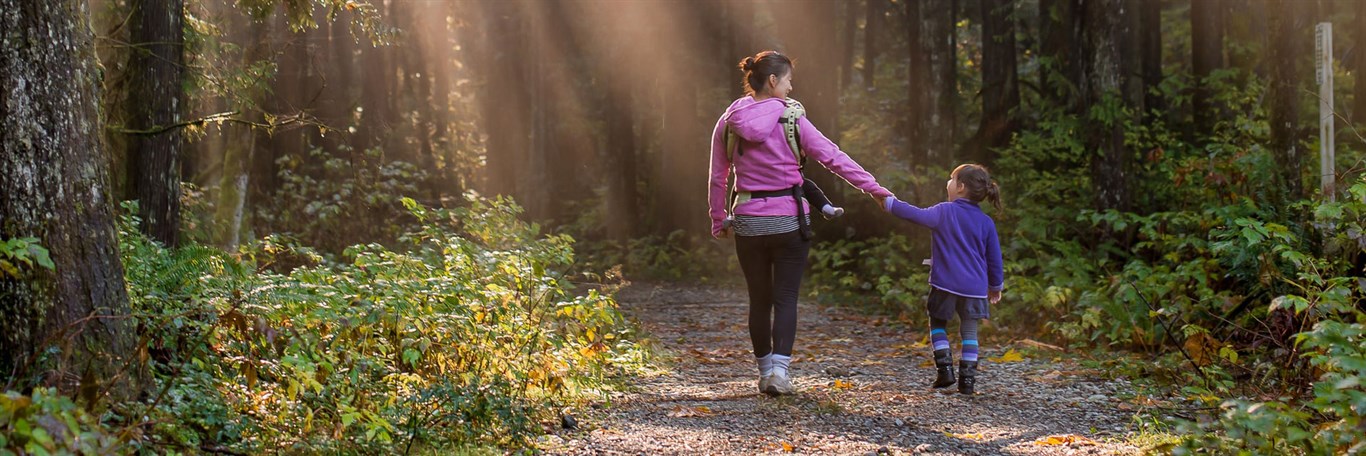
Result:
[54,186]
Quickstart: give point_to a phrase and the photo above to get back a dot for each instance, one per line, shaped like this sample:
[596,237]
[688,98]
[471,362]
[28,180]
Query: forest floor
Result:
[863,389]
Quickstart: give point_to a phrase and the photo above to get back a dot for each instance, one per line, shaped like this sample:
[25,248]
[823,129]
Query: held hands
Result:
[882,200]
[994,296]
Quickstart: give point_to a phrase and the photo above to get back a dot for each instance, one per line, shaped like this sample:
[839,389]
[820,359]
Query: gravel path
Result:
[863,390]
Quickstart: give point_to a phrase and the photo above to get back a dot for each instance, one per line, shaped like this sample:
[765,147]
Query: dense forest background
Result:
[287,165]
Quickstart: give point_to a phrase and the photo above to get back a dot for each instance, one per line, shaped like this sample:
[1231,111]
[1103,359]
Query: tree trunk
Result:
[1060,37]
[155,67]
[1000,84]
[847,54]
[1359,63]
[340,109]
[871,28]
[622,202]
[1246,26]
[743,39]
[1106,73]
[55,187]
[1150,51]
[933,82]
[1290,45]
[238,156]
[506,106]
[375,97]
[1207,55]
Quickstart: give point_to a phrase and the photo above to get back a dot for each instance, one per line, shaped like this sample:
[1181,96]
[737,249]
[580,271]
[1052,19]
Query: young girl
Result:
[965,266]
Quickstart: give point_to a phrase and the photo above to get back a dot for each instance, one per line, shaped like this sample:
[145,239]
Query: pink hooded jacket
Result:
[768,163]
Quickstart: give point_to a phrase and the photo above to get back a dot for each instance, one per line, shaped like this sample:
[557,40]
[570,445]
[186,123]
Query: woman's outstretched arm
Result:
[825,152]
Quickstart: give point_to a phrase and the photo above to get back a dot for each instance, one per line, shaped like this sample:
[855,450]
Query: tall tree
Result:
[872,27]
[1289,46]
[933,82]
[240,151]
[743,37]
[156,67]
[1150,52]
[1207,55]
[1058,45]
[507,104]
[55,187]
[1107,79]
[622,200]
[1000,83]
[1359,65]
[849,33]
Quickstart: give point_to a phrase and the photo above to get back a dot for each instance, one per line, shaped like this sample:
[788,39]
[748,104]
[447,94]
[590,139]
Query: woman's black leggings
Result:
[773,267]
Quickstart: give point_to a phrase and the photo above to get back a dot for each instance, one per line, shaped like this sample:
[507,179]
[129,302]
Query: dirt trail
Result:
[864,390]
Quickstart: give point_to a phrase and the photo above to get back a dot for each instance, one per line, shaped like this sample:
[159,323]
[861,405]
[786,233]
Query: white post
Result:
[1323,57]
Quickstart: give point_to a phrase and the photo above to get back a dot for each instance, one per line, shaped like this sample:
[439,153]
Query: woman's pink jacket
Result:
[767,162]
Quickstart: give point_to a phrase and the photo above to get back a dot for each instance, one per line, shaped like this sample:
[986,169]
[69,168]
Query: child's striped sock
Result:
[968,330]
[969,350]
[939,338]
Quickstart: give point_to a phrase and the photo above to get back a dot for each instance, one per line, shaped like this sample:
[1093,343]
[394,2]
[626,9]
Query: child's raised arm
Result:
[929,217]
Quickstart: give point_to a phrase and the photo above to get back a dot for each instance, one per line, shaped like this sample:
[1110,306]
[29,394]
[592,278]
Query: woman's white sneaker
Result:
[779,385]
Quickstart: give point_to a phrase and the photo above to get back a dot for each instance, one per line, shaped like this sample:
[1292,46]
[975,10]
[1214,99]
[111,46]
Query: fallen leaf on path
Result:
[1037,344]
[977,436]
[682,412]
[1202,348]
[1064,439]
[841,385]
[1009,356]
[1050,377]
[788,447]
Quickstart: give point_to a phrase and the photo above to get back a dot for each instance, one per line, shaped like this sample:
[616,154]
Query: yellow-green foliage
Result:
[471,335]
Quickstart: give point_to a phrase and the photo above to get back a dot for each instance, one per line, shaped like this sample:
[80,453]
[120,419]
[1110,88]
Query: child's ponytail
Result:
[994,195]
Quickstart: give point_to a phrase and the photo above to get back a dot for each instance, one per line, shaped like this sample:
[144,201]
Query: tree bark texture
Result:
[157,71]
[54,186]
[1108,75]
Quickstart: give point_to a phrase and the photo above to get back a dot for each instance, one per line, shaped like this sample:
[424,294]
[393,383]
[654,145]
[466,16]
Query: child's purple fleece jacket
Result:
[964,248]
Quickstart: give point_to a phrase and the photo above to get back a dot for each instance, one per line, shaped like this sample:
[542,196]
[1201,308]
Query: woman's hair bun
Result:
[747,64]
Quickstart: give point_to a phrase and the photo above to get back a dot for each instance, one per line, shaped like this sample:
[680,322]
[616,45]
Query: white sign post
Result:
[1323,59]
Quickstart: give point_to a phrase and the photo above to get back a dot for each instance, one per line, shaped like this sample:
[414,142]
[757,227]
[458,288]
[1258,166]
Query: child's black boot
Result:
[967,377]
[943,362]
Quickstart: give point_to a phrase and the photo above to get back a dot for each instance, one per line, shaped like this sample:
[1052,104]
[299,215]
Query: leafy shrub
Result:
[330,201]
[45,422]
[473,334]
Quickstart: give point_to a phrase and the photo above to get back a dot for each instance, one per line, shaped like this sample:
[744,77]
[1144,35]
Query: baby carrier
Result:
[791,114]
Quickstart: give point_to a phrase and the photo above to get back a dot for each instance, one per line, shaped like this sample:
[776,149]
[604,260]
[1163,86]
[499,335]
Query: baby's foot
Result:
[832,211]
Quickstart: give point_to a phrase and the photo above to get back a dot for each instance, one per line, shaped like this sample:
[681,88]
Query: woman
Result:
[769,216]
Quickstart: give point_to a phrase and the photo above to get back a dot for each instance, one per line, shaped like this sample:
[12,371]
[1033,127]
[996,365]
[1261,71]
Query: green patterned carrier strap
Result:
[791,114]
